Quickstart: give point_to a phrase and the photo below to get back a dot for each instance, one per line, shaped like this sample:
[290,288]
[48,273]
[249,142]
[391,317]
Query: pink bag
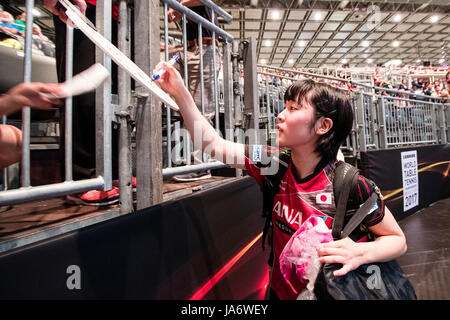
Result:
[300,252]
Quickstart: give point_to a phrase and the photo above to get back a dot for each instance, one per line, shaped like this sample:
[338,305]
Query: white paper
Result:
[121,59]
[410,180]
[84,82]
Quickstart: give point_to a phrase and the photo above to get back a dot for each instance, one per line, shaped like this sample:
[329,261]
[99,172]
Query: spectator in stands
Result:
[436,92]
[429,90]
[447,77]
[403,85]
[22,95]
[416,85]
[7,23]
[38,33]
[377,78]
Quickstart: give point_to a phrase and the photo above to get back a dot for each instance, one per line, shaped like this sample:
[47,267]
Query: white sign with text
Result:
[410,180]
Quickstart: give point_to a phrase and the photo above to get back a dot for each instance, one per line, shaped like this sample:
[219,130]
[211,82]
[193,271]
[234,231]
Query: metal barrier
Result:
[103,179]
[177,160]
[380,121]
[136,107]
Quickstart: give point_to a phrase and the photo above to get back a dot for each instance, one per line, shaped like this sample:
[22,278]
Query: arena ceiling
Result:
[296,33]
[309,34]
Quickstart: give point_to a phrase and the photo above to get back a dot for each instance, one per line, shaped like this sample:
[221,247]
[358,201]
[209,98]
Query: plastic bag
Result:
[300,254]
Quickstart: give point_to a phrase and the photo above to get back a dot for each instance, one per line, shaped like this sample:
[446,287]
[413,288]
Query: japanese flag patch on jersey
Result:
[323,198]
[257,153]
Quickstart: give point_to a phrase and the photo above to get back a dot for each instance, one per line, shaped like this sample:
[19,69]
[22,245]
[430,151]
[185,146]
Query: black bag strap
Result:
[345,178]
[359,215]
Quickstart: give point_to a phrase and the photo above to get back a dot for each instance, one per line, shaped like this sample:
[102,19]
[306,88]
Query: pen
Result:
[172,61]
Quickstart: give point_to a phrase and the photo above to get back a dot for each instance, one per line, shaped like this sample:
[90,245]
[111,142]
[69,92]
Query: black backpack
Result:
[345,180]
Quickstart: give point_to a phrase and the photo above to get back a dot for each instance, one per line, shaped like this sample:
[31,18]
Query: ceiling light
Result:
[317,16]
[442,61]
[301,43]
[263,61]
[344,61]
[365,43]
[291,61]
[36,12]
[395,43]
[418,61]
[267,43]
[275,15]
[369,60]
[397,18]
[434,19]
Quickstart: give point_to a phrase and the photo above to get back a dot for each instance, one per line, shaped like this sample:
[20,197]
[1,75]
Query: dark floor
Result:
[427,261]
[33,221]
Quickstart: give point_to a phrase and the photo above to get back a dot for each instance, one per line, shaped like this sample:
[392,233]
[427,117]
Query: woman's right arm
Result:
[204,136]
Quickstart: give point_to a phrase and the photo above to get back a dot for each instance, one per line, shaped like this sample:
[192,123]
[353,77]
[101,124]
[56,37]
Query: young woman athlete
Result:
[315,121]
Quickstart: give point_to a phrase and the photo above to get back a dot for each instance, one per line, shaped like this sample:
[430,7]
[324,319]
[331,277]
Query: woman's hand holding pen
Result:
[171,81]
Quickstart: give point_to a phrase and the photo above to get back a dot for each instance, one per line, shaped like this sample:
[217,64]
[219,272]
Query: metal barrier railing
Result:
[180,155]
[105,113]
[380,121]
[103,179]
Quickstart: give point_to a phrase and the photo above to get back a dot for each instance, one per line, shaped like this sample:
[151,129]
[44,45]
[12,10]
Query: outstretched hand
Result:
[59,10]
[29,95]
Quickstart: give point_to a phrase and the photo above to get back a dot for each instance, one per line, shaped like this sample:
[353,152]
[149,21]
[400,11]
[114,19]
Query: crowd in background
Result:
[424,84]
[12,33]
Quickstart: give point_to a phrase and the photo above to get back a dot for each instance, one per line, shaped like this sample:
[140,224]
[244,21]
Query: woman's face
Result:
[296,125]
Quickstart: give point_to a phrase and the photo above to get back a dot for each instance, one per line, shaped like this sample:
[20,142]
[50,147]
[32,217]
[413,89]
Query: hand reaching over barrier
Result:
[58,10]
[29,95]
[22,95]
[209,141]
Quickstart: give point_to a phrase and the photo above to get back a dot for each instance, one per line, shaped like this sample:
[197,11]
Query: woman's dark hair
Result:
[329,102]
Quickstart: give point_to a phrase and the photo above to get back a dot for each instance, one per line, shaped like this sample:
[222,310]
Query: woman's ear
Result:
[323,125]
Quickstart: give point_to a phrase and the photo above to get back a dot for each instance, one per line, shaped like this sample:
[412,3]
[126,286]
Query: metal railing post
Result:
[68,111]
[26,119]
[123,114]
[361,123]
[103,106]
[376,122]
[148,122]
[251,91]
[237,98]
[382,130]
[5,170]
[447,121]
[227,91]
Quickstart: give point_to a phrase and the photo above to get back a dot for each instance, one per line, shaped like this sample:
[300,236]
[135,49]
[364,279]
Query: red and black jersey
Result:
[115,11]
[298,199]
